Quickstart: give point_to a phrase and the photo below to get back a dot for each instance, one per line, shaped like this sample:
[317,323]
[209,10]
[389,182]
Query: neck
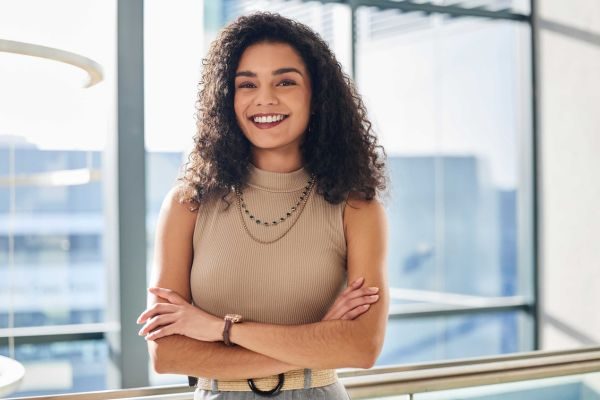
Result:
[278,164]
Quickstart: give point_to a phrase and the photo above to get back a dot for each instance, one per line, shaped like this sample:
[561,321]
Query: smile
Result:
[266,122]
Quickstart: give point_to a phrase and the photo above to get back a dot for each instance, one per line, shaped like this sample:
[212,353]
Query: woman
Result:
[288,284]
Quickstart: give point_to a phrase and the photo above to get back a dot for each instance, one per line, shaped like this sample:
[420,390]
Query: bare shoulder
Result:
[176,219]
[177,209]
[173,250]
[360,212]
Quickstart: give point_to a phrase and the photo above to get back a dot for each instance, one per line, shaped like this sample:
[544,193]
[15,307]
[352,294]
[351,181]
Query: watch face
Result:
[234,317]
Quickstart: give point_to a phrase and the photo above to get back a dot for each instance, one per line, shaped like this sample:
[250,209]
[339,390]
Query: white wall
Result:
[569,77]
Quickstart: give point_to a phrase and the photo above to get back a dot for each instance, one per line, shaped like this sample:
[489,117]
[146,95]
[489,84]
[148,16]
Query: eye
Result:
[246,85]
[287,82]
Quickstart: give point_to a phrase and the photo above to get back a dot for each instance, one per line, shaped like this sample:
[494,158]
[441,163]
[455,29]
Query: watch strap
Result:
[226,331]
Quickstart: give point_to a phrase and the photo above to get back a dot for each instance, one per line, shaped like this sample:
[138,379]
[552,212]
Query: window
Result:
[53,127]
[448,96]
[447,87]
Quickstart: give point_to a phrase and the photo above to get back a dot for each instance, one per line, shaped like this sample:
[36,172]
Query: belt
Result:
[270,385]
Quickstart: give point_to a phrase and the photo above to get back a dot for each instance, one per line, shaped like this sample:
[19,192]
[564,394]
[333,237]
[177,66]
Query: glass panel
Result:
[61,367]
[572,387]
[56,273]
[449,100]
[331,21]
[515,6]
[5,244]
[411,340]
[54,120]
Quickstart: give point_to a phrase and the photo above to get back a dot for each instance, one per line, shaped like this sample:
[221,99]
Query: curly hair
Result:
[339,147]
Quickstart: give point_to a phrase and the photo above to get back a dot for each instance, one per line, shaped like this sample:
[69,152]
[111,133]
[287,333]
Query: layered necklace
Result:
[299,206]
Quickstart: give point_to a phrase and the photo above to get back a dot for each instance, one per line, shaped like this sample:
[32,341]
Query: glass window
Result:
[61,367]
[449,100]
[54,109]
[422,339]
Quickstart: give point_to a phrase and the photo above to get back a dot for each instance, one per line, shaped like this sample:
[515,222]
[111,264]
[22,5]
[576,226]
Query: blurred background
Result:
[487,109]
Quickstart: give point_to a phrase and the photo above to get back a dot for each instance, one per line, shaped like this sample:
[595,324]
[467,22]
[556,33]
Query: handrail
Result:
[411,378]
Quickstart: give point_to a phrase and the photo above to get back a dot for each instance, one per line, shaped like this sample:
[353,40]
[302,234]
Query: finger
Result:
[164,330]
[347,304]
[365,291]
[157,321]
[158,308]
[352,293]
[157,334]
[168,294]
[327,316]
[340,306]
[154,324]
[356,312]
[354,285]
[359,301]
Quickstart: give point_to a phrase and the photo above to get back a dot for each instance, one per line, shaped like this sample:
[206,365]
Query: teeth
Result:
[269,118]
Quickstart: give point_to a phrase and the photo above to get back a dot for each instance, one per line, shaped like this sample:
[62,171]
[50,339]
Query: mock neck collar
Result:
[277,181]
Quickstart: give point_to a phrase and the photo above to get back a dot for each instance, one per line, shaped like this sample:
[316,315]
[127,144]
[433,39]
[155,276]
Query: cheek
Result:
[301,102]
[306,99]
[239,108]
[303,107]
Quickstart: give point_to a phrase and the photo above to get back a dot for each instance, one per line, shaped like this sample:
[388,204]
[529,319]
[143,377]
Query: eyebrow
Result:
[276,72]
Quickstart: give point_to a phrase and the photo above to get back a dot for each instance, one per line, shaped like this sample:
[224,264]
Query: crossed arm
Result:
[267,349]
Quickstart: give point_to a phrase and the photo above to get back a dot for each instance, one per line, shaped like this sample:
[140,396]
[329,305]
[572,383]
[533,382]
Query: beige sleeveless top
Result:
[293,280]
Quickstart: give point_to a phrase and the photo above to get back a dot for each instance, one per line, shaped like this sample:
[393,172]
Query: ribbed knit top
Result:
[293,280]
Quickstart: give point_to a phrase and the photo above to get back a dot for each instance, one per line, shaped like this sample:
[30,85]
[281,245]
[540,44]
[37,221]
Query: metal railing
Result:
[410,379]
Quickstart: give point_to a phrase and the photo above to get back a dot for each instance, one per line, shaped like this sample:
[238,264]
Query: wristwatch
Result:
[229,320]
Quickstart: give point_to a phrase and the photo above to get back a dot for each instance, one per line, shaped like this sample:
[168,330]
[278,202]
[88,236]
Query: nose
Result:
[265,95]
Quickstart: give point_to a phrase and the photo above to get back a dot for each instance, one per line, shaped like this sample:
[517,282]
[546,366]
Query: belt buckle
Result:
[192,381]
[267,393]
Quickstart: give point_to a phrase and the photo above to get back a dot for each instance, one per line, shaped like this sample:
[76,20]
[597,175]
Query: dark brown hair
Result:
[339,147]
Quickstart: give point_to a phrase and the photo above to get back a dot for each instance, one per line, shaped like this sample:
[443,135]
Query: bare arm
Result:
[178,354]
[182,355]
[338,343]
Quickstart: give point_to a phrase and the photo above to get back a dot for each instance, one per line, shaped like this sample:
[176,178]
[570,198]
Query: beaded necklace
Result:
[302,201]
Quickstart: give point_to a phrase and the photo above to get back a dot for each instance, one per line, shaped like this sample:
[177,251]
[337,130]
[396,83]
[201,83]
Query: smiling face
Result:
[272,98]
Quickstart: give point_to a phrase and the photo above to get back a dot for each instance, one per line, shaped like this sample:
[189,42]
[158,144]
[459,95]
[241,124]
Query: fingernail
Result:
[359,280]
[373,289]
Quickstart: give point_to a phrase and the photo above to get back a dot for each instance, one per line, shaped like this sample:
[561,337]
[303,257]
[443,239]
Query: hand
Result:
[352,302]
[178,317]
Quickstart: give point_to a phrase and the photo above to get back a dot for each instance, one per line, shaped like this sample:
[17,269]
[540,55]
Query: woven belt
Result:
[294,379]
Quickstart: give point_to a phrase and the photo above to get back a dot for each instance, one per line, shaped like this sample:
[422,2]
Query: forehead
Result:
[266,57]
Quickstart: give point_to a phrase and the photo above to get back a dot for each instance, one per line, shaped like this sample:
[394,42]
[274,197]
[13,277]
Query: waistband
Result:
[295,379]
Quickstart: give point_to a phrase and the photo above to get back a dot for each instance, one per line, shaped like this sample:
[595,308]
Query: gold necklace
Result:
[302,201]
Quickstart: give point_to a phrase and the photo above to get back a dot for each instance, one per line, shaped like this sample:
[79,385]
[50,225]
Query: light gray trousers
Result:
[334,391]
